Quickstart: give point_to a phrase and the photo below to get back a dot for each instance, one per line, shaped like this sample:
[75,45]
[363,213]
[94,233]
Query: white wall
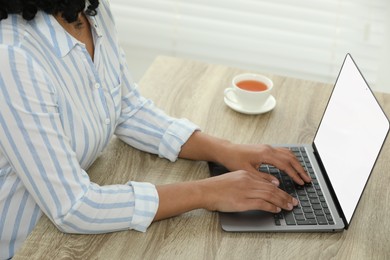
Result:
[301,38]
[383,83]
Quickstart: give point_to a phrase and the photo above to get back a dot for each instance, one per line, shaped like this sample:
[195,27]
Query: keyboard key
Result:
[318,213]
[278,216]
[311,190]
[303,198]
[307,222]
[263,169]
[305,204]
[289,217]
[314,201]
[322,220]
[298,211]
[310,216]
[308,185]
[317,206]
[299,217]
[329,217]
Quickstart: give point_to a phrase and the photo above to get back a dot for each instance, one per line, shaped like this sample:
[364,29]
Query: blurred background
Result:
[305,39]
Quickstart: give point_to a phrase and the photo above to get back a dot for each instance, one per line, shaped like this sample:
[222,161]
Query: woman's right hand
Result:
[243,190]
[230,192]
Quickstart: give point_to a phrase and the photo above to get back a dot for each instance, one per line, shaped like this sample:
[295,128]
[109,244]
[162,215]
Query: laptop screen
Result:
[350,136]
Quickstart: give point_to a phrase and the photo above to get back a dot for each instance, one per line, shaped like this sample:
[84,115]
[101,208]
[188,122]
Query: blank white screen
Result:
[350,136]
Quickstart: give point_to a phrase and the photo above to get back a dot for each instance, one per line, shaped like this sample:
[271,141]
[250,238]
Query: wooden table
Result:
[194,90]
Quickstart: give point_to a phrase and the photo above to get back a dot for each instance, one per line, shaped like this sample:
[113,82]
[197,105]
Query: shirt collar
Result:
[53,34]
[95,25]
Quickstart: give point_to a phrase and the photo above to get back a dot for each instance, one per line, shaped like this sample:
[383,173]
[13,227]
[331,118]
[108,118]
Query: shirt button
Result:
[107,121]
[97,85]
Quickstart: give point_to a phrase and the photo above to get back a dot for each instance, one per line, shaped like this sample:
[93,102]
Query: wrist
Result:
[178,198]
[201,146]
[207,194]
[223,151]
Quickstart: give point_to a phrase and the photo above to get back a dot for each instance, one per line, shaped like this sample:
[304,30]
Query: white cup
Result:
[250,97]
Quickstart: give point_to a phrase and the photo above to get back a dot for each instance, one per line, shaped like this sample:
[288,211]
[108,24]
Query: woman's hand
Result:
[251,157]
[230,192]
[201,146]
[244,190]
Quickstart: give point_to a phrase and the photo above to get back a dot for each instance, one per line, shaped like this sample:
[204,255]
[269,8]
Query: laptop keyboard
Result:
[312,208]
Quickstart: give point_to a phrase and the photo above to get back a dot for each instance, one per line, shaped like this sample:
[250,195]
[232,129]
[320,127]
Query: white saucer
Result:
[268,106]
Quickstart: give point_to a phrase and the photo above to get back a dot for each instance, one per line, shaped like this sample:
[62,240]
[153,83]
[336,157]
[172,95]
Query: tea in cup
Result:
[249,91]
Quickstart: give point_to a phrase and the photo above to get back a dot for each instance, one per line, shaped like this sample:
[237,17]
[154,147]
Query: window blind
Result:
[302,38]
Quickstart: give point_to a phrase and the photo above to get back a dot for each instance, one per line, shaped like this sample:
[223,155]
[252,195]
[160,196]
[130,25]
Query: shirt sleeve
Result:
[33,141]
[146,127]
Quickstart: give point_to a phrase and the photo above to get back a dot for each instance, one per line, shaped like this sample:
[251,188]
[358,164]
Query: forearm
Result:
[178,198]
[203,147]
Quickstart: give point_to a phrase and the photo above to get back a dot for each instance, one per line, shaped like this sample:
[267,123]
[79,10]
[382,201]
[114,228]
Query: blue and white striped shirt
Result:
[58,111]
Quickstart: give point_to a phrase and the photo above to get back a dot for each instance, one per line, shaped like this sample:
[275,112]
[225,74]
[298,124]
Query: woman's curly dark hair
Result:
[28,8]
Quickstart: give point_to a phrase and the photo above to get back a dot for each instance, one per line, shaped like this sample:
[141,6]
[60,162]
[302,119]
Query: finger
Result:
[297,165]
[299,169]
[290,171]
[272,203]
[273,195]
[293,167]
[281,199]
[269,178]
[263,205]
[263,175]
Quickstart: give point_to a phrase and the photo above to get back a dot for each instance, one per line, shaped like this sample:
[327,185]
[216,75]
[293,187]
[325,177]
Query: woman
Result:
[65,91]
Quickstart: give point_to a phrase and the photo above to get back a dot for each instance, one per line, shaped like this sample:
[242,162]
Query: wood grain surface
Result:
[185,88]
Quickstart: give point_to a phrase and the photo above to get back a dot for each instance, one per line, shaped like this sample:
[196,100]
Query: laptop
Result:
[340,160]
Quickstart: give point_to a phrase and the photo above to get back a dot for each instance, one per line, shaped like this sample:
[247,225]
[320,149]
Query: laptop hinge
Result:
[330,187]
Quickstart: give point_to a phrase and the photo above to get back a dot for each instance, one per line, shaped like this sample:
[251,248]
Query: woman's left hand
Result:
[251,157]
